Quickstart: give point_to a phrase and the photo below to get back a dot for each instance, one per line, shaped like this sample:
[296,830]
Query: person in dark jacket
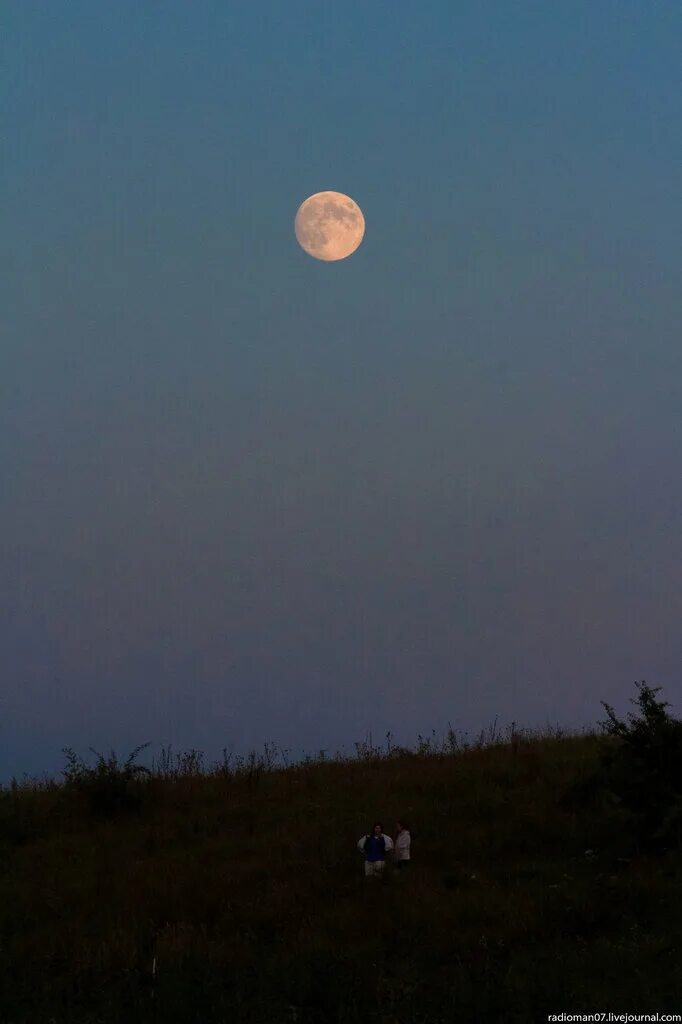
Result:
[375,845]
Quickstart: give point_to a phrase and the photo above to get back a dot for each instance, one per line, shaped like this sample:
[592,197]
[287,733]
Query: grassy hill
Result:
[237,894]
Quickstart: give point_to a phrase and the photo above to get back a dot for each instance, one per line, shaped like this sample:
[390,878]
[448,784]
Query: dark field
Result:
[236,894]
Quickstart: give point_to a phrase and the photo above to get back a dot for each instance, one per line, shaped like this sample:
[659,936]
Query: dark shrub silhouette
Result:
[109,788]
[642,768]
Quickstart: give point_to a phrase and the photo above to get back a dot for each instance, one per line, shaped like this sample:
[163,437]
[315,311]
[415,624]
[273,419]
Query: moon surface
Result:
[329,225]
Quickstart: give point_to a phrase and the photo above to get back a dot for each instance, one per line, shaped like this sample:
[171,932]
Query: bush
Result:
[109,788]
[643,767]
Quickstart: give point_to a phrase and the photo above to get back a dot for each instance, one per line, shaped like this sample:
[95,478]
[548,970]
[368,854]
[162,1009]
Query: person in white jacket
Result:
[403,841]
[375,845]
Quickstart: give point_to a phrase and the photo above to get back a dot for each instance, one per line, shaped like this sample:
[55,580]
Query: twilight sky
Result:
[246,495]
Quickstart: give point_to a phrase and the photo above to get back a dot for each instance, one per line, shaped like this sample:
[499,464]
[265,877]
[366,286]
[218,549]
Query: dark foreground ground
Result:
[240,897]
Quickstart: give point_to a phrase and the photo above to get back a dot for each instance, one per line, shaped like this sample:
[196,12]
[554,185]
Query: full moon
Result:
[329,225]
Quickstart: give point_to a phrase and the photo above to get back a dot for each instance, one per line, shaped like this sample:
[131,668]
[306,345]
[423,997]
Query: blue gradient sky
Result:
[248,496]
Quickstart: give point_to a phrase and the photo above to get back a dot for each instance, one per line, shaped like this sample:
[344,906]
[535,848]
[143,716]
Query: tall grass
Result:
[234,892]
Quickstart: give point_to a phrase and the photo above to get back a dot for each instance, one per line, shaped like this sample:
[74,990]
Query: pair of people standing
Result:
[375,845]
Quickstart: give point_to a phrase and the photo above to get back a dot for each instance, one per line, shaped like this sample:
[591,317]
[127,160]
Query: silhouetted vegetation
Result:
[644,768]
[236,894]
[109,787]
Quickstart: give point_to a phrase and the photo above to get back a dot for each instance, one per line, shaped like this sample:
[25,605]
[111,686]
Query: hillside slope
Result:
[242,898]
